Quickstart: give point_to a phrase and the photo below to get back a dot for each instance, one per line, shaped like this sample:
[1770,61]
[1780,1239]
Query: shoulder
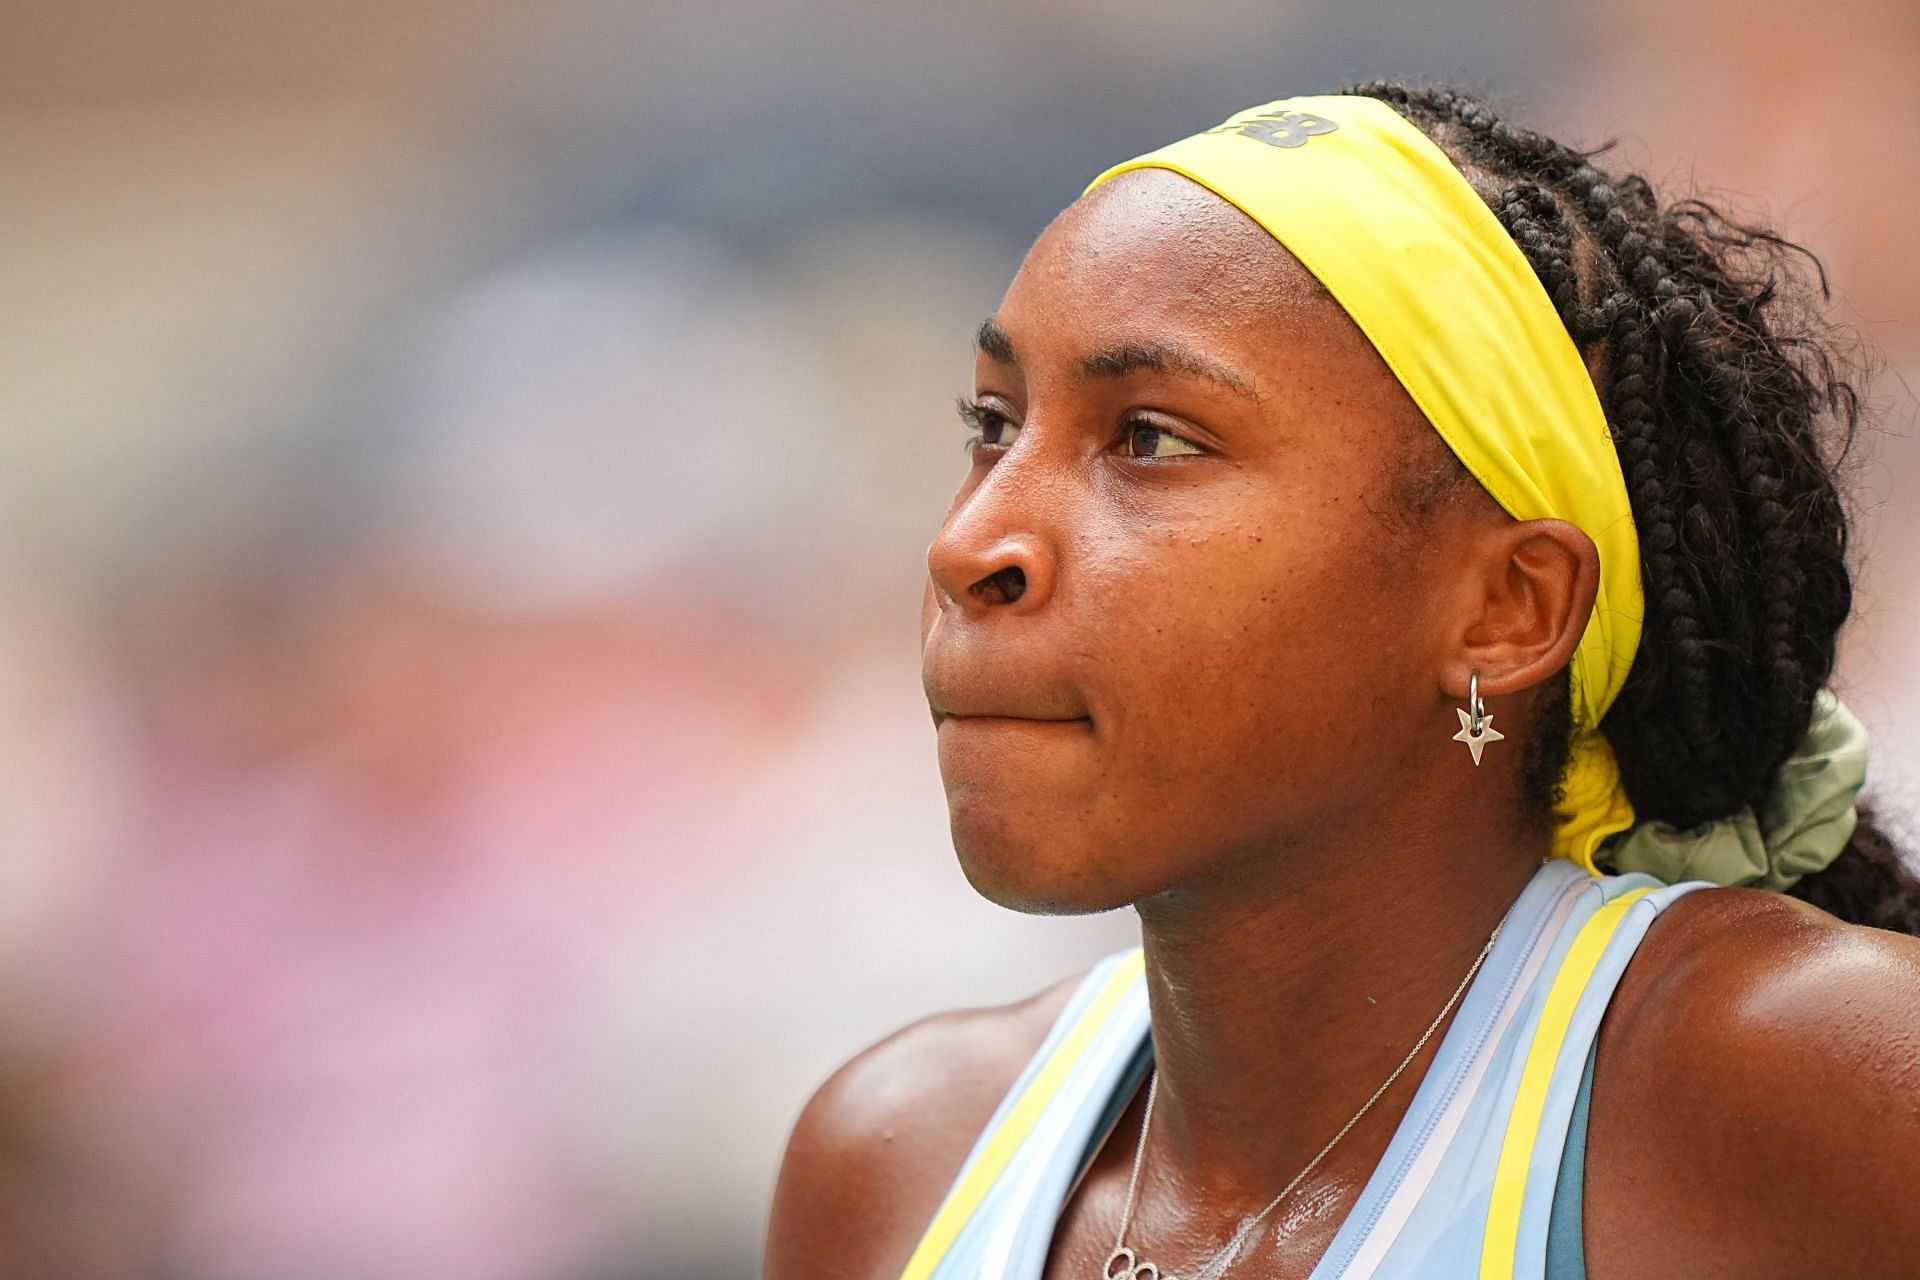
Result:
[1758,1088]
[878,1144]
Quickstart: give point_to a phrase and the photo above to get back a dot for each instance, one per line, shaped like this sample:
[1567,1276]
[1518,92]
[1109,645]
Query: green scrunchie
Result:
[1800,828]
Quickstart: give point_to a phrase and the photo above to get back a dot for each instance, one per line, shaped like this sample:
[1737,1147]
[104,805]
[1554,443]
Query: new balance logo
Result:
[1280,128]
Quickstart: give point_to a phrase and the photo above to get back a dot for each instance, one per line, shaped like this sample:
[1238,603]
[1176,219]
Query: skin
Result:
[1187,648]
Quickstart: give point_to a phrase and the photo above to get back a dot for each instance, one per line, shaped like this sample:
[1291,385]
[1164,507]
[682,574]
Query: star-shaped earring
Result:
[1476,741]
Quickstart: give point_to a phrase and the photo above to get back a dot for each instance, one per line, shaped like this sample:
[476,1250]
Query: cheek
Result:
[1251,663]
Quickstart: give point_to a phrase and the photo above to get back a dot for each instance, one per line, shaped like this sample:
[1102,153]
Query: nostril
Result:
[1003,587]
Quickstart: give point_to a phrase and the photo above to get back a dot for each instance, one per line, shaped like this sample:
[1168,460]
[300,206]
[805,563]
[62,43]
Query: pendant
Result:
[1122,1264]
[1476,733]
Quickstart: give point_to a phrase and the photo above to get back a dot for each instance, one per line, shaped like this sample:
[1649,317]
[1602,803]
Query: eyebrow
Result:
[993,342]
[1122,358]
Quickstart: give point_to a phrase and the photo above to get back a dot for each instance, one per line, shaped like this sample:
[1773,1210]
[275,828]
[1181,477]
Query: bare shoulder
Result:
[877,1146]
[1756,1105]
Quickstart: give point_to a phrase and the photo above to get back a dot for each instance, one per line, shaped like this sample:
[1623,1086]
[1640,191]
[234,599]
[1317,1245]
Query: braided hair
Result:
[1731,409]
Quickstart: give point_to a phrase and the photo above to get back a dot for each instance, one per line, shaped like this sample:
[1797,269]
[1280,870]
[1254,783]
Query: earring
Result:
[1476,722]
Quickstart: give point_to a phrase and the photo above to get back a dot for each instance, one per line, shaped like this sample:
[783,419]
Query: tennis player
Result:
[1403,561]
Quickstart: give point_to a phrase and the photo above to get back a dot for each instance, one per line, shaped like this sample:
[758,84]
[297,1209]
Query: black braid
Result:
[1731,412]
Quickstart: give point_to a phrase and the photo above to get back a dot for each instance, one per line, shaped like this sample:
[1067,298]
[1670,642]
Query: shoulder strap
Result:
[1090,1044]
[1566,1233]
[1536,1129]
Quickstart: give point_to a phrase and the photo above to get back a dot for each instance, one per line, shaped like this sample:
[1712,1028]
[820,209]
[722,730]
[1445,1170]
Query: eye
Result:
[990,429]
[1151,440]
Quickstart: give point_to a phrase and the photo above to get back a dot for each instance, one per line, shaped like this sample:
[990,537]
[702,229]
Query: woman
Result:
[1291,479]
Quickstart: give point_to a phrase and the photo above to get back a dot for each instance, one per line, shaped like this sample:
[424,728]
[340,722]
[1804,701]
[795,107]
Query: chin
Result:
[1033,870]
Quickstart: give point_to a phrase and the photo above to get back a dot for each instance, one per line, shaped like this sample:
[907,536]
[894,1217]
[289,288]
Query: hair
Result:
[1732,407]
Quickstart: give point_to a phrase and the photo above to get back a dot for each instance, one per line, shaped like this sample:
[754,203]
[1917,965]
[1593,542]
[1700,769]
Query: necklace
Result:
[1124,1264]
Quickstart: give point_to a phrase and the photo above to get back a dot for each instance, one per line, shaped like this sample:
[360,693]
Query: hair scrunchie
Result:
[1799,828]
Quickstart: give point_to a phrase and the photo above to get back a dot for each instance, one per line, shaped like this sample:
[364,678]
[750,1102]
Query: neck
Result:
[1282,1000]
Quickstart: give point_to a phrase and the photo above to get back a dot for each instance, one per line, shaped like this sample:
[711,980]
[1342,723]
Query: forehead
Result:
[1152,255]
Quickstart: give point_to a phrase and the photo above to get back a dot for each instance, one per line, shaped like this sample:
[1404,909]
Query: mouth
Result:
[962,737]
[1007,688]
[942,714]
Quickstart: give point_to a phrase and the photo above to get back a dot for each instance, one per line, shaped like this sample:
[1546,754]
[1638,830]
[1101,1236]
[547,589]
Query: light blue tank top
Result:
[1468,1184]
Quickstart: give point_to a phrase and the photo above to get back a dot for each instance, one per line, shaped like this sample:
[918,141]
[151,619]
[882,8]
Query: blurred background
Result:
[467,470]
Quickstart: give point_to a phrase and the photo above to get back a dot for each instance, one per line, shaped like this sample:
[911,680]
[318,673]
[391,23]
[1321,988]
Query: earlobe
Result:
[1540,580]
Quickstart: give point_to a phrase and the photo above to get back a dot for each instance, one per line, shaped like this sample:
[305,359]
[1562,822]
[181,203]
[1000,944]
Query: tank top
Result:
[1469,1182]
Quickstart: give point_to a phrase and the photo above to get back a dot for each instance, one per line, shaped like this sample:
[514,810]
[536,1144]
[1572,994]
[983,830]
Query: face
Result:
[1177,613]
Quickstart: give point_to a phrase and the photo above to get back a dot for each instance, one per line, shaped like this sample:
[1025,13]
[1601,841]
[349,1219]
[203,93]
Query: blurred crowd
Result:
[467,476]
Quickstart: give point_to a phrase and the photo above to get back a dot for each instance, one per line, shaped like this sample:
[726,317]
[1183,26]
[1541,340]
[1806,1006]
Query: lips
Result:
[1000,706]
[962,695]
[941,716]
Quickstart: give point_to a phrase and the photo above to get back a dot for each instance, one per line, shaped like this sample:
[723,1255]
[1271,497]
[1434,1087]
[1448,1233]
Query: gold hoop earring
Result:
[1476,722]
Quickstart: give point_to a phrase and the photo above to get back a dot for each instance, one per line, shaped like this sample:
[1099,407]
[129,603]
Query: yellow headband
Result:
[1382,218]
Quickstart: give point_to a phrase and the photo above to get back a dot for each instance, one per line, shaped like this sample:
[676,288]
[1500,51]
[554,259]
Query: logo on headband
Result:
[1279,128]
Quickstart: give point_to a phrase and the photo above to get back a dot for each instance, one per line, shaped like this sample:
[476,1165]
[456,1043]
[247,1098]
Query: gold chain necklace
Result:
[1124,1264]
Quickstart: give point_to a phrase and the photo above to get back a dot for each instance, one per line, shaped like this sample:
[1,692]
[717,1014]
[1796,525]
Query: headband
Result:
[1378,213]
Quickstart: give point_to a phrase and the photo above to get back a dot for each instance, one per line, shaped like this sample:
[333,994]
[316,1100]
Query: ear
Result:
[1524,609]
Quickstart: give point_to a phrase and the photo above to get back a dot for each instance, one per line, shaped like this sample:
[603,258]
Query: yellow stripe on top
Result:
[1502,1239]
[1000,1146]
[1379,214]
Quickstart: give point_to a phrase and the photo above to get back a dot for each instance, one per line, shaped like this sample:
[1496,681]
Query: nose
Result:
[989,555]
